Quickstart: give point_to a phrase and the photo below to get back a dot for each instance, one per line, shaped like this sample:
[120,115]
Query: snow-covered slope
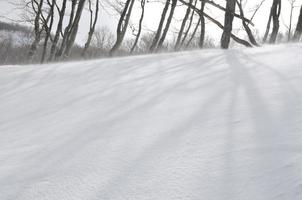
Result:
[210,125]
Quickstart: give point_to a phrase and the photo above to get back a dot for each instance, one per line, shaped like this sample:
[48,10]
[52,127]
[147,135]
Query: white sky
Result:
[153,12]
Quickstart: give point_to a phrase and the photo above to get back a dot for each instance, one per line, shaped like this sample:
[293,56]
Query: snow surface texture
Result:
[204,125]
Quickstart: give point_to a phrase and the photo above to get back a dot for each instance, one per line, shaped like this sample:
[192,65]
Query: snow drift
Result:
[206,125]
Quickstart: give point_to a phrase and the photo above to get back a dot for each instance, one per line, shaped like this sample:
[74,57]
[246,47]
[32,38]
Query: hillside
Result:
[212,125]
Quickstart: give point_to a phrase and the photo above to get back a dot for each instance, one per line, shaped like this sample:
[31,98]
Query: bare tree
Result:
[298,30]
[182,27]
[211,19]
[273,16]
[228,23]
[67,32]
[48,28]
[93,21]
[168,23]
[292,6]
[193,34]
[245,25]
[103,39]
[202,24]
[189,26]
[54,47]
[56,24]
[160,26]
[212,3]
[140,25]
[74,28]
[37,8]
[122,25]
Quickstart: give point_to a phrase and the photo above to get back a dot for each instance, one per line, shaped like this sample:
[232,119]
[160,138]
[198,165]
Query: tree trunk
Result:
[193,34]
[48,28]
[290,21]
[210,2]
[143,2]
[228,23]
[246,26]
[122,26]
[189,26]
[273,16]
[276,15]
[35,43]
[298,30]
[182,27]
[58,31]
[234,37]
[165,32]
[160,27]
[268,26]
[202,25]
[74,28]
[66,34]
[92,25]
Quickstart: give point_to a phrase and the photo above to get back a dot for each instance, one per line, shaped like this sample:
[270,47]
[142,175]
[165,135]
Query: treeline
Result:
[56,24]
[4,26]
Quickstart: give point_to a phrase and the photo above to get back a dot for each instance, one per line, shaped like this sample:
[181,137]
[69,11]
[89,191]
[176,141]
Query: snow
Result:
[212,124]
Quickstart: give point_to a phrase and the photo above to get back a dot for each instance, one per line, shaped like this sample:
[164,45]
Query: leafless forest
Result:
[55,25]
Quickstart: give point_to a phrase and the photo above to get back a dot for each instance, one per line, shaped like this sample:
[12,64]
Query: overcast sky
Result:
[153,11]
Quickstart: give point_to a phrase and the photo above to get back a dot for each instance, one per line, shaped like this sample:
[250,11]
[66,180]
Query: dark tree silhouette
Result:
[273,18]
[140,25]
[93,21]
[122,25]
[228,23]
[298,30]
